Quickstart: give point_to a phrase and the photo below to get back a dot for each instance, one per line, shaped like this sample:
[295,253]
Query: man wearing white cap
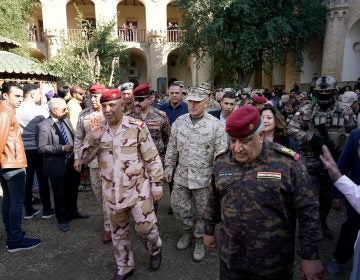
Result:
[196,138]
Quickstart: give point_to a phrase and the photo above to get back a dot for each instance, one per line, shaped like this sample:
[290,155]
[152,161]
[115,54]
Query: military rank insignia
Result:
[268,175]
[290,152]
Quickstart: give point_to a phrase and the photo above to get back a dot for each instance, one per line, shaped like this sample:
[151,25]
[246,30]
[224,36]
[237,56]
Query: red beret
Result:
[243,122]
[97,89]
[110,94]
[142,90]
[259,99]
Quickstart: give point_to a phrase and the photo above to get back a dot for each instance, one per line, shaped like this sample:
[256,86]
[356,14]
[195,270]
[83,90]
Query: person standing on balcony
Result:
[128,98]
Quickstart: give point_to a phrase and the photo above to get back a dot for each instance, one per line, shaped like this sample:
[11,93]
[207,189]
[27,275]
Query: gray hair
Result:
[56,103]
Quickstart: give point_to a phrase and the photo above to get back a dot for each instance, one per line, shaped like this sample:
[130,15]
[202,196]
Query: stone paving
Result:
[80,254]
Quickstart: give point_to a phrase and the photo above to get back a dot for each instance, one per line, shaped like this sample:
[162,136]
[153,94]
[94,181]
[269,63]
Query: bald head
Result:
[58,108]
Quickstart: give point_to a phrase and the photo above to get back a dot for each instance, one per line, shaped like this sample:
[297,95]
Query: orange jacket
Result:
[12,153]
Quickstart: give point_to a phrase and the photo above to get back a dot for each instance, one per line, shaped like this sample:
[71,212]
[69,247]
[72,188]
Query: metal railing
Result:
[132,35]
[36,34]
[175,35]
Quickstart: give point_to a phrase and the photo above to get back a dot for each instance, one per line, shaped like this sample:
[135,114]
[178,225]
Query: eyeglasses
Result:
[139,99]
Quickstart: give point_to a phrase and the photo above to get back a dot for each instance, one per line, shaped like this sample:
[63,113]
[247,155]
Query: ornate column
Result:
[157,61]
[335,31]
[55,24]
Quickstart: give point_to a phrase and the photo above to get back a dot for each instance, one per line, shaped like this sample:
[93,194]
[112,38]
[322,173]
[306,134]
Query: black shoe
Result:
[124,276]
[79,215]
[155,261]
[7,242]
[35,200]
[170,211]
[64,227]
[47,214]
[32,214]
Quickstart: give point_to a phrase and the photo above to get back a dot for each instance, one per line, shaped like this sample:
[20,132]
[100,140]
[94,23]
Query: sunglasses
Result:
[140,99]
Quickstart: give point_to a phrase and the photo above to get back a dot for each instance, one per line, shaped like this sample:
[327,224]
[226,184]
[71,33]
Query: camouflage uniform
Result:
[194,147]
[126,188]
[159,127]
[127,111]
[303,126]
[258,205]
[82,133]
[213,105]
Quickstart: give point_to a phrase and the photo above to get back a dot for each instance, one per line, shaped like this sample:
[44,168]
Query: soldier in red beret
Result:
[81,133]
[258,101]
[132,178]
[259,189]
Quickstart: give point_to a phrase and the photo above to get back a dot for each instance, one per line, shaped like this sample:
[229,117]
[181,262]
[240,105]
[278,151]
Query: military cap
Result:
[126,86]
[110,94]
[179,83]
[197,94]
[97,89]
[259,99]
[243,122]
[142,90]
[77,89]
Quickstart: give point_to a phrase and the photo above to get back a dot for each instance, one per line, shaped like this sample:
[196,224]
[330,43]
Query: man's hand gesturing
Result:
[96,131]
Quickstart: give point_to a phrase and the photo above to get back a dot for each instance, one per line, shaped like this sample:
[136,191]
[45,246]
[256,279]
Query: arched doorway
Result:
[87,8]
[131,21]
[177,69]
[351,68]
[136,66]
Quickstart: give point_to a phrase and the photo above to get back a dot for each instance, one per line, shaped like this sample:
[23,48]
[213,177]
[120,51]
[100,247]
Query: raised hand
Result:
[96,131]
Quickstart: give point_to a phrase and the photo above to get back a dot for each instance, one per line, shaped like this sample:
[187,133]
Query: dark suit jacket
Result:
[216,113]
[49,142]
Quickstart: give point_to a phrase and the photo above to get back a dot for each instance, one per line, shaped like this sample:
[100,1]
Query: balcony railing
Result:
[176,35]
[132,35]
[36,35]
[126,35]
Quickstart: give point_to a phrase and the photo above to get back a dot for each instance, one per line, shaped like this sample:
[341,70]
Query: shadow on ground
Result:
[80,254]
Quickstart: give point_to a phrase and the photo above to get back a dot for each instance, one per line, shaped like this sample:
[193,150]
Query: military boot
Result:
[184,241]
[199,250]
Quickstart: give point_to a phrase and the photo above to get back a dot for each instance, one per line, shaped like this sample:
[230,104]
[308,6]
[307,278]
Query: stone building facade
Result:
[151,30]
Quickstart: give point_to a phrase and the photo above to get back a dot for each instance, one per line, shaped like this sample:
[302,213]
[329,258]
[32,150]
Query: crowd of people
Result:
[255,162]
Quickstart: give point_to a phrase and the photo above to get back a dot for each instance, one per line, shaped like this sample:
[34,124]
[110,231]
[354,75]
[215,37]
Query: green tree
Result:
[94,56]
[244,35]
[14,16]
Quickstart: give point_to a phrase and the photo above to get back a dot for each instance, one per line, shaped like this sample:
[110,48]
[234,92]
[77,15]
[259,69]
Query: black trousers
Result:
[65,190]
[35,164]
[348,234]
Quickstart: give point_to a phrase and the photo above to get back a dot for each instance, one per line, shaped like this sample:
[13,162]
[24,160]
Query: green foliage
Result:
[89,58]
[14,16]
[243,35]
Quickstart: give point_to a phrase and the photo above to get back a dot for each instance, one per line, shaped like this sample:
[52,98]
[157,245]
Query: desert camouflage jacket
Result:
[129,163]
[194,148]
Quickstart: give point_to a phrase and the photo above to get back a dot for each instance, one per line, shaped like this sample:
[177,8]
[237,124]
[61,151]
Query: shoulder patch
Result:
[136,122]
[294,155]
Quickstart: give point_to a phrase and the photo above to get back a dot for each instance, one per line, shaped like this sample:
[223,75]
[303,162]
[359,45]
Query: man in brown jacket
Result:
[12,169]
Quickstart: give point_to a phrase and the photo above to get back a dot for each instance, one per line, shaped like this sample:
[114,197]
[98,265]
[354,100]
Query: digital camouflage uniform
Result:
[128,110]
[194,147]
[130,168]
[159,127]
[258,205]
[213,105]
[82,133]
[303,126]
